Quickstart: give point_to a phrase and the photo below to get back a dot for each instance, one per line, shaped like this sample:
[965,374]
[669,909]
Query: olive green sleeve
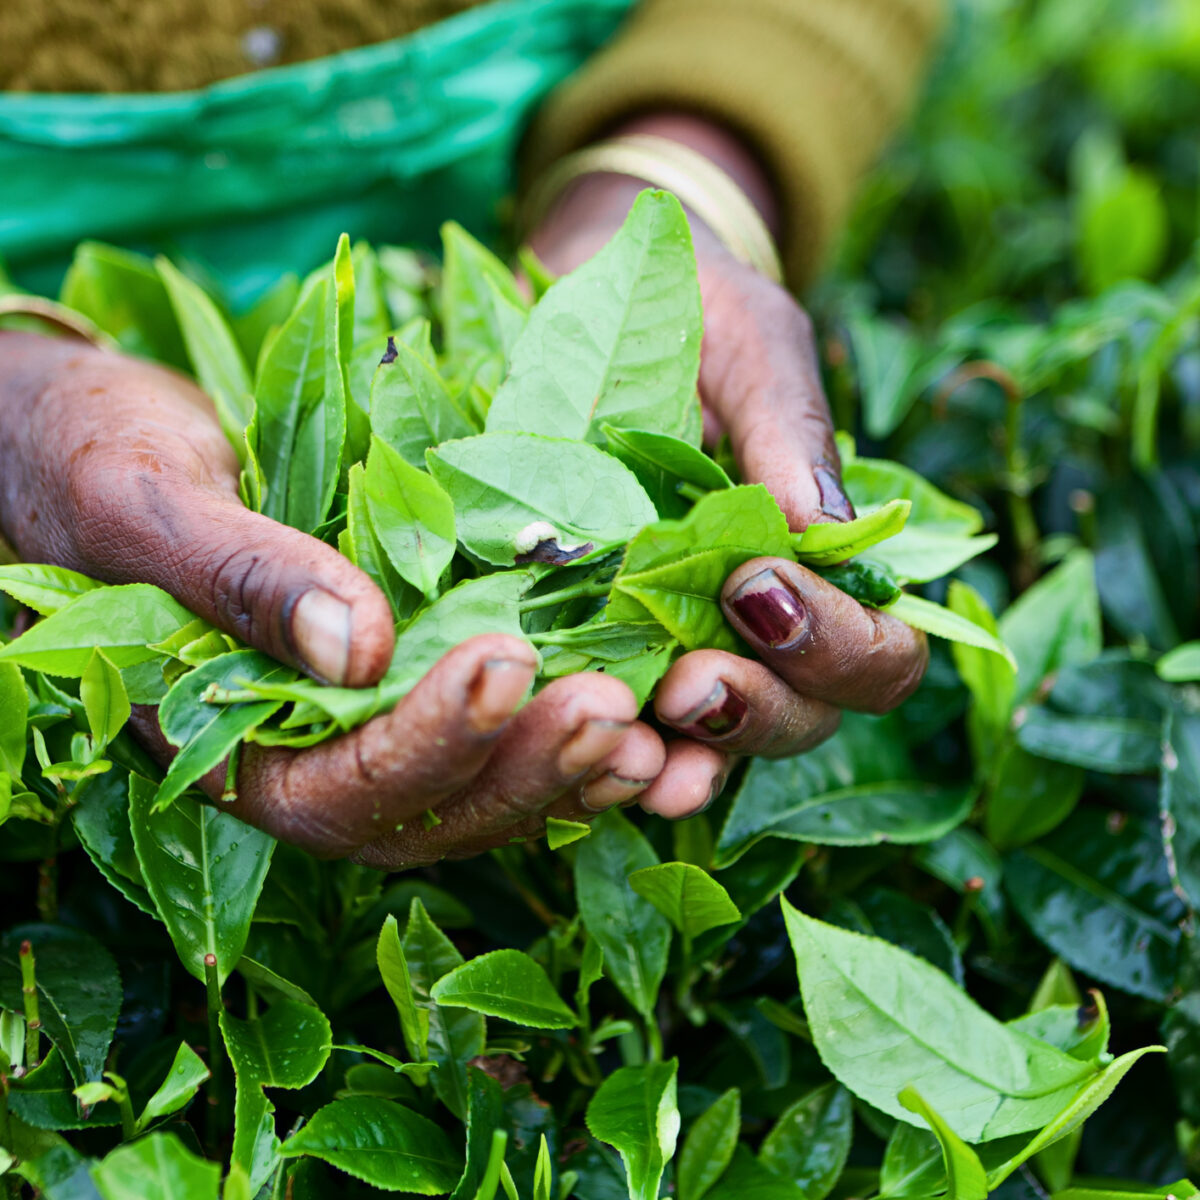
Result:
[814,86]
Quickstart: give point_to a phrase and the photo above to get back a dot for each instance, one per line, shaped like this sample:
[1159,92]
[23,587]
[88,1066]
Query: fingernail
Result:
[320,629]
[771,610]
[495,692]
[834,501]
[714,790]
[720,714]
[610,789]
[589,744]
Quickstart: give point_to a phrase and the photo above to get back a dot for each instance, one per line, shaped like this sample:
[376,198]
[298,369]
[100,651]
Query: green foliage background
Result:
[1014,315]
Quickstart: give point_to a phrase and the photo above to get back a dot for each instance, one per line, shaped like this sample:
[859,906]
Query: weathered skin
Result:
[118,469]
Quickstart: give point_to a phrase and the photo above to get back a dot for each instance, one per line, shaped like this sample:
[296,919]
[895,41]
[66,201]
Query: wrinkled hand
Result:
[118,469]
[820,651]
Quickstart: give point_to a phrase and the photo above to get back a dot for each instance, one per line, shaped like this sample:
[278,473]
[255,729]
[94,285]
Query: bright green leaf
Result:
[690,898]
[508,984]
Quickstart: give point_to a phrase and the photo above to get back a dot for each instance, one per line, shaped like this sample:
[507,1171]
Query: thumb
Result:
[759,377]
[274,588]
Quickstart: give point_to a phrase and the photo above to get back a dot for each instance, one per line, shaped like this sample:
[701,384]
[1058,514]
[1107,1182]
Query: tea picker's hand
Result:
[819,650]
[118,469]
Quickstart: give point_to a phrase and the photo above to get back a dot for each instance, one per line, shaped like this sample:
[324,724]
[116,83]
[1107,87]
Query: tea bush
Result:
[940,954]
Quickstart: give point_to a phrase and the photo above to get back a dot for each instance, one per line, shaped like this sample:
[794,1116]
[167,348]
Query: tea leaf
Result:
[810,1142]
[43,588]
[965,1175]
[862,995]
[824,545]
[632,933]
[104,699]
[205,870]
[413,518]
[122,621]
[709,1146]
[216,359]
[633,362]
[381,1143]
[411,407]
[691,899]
[508,984]
[79,992]
[512,491]
[284,1048]
[635,1111]
[455,1035]
[156,1167]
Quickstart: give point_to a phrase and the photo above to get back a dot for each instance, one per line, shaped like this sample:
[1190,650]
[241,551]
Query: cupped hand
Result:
[818,651]
[118,469]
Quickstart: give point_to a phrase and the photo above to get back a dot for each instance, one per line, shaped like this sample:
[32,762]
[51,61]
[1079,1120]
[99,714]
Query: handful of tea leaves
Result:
[535,471]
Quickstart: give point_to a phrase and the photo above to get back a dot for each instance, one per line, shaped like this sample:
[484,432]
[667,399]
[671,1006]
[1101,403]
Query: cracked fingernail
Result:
[771,610]
[320,632]
[610,789]
[590,743]
[834,501]
[722,712]
[495,693]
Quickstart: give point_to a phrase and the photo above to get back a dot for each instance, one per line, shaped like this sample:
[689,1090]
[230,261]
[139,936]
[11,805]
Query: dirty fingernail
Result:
[495,693]
[611,789]
[320,630]
[771,610]
[722,712]
[588,745]
[834,501]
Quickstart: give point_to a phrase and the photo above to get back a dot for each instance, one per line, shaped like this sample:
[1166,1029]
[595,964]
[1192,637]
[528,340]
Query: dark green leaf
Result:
[455,1035]
[381,1143]
[1027,797]
[286,1048]
[810,1142]
[1179,799]
[79,992]
[858,788]
[1098,893]
[205,869]
[709,1146]
[633,934]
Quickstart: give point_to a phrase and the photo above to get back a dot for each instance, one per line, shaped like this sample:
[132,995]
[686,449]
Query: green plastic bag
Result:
[257,175]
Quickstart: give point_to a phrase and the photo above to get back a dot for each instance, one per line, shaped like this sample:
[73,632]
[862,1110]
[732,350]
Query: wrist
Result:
[730,205]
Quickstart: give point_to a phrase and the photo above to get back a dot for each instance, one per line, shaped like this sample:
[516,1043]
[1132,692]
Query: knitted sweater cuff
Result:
[813,86]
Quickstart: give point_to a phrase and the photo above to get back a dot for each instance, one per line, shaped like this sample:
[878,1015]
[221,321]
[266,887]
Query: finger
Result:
[740,706]
[618,779]
[760,377]
[337,796]
[554,742]
[625,772]
[819,641]
[691,780]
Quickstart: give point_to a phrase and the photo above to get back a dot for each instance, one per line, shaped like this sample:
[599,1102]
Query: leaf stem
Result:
[654,1045]
[128,1121]
[47,887]
[579,591]
[29,1001]
[212,988]
[1020,508]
